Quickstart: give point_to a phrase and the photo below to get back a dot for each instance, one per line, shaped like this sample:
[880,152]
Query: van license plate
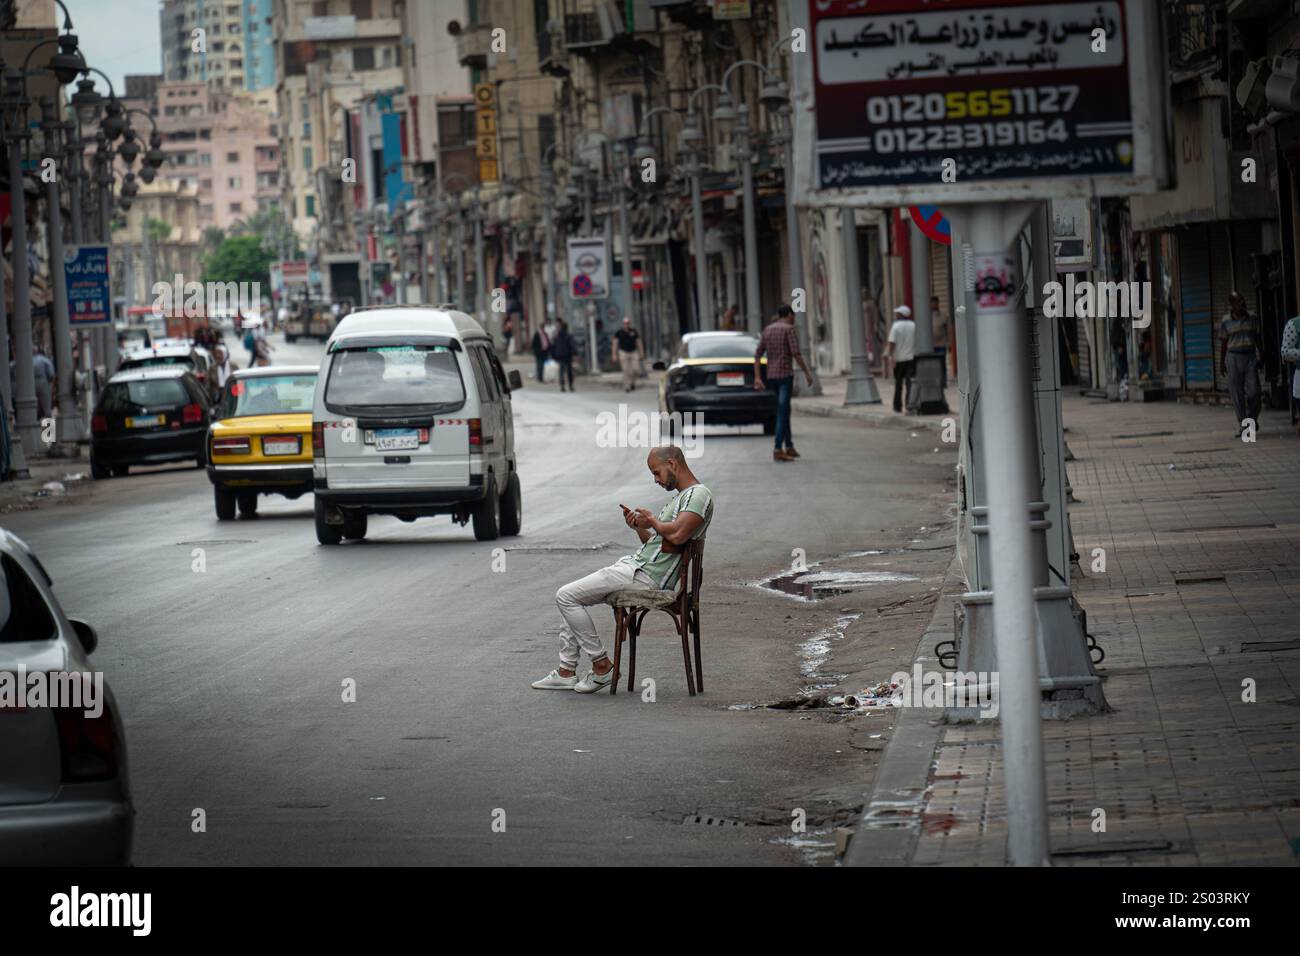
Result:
[396,439]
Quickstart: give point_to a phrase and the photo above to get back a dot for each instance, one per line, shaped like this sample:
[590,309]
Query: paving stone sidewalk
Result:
[1199,600]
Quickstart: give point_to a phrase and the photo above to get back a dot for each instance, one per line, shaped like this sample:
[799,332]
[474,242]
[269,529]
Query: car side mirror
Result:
[658,366]
[515,379]
[85,633]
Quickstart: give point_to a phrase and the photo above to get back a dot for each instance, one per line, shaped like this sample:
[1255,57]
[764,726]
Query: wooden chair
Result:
[682,605]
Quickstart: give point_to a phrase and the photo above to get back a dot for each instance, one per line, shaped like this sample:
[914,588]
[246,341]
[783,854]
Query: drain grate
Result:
[1222,527]
[1268,647]
[1116,849]
[562,548]
[707,820]
[216,541]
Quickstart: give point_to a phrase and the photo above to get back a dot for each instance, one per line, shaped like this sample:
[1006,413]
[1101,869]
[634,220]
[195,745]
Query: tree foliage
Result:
[239,259]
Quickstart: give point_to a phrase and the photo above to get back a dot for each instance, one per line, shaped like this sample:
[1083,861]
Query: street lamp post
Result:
[480,287]
[28,427]
[693,139]
[69,423]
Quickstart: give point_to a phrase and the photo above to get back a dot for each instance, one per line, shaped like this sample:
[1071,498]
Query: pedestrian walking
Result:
[1291,353]
[939,322]
[781,346]
[902,350]
[222,368]
[541,346]
[729,318]
[43,373]
[1239,356]
[508,332]
[628,353]
[654,566]
[563,350]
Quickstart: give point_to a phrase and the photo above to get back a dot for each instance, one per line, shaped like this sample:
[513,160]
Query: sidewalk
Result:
[50,481]
[1200,597]
[831,402]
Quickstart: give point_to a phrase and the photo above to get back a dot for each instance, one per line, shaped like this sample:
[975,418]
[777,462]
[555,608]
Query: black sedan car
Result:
[149,416]
[712,375]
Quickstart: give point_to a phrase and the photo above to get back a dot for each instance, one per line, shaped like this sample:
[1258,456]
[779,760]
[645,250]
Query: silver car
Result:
[65,798]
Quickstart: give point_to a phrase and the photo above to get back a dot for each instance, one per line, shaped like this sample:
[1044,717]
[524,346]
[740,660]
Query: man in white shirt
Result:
[902,350]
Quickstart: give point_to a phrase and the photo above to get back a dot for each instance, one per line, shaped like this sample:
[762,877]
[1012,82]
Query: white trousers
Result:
[579,630]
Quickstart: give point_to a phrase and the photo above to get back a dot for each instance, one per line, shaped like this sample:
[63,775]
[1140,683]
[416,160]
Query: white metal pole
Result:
[1007,426]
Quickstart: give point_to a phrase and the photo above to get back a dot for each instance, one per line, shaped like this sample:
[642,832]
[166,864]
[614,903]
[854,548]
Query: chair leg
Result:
[683,631]
[634,625]
[699,664]
[618,648]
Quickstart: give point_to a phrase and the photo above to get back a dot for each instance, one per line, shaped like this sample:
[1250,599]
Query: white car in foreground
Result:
[65,798]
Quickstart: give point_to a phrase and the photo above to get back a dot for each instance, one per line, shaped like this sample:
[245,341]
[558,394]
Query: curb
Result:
[890,825]
[822,410]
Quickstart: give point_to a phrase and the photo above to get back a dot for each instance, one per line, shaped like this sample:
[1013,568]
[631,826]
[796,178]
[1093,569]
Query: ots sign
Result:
[971,100]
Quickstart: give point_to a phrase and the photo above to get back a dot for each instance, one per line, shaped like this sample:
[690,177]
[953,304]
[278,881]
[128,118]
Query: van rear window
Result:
[395,375]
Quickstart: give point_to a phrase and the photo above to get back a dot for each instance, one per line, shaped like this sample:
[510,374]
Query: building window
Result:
[361,9]
[363,58]
[311,206]
[306,158]
[236,207]
[232,157]
[234,182]
[306,128]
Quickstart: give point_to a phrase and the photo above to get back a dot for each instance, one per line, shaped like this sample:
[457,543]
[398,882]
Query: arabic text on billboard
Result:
[1007,90]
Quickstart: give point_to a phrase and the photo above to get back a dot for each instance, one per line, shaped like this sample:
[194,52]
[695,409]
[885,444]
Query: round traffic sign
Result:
[932,223]
[581,286]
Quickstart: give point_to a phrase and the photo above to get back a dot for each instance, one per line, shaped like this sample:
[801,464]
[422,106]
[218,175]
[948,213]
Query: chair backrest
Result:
[691,573]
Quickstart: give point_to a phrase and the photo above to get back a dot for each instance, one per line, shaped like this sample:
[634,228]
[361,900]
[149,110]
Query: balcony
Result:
[473,44]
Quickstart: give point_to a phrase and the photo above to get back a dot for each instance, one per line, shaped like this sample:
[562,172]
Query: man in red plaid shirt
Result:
[781,345]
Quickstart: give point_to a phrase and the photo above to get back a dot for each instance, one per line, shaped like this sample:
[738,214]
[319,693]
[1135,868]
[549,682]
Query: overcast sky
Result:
[117,36]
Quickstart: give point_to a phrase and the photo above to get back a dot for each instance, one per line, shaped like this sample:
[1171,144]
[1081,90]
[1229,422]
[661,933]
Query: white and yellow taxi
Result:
[261,442]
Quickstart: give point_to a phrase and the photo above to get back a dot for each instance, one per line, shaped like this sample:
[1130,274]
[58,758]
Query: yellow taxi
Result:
[261,441]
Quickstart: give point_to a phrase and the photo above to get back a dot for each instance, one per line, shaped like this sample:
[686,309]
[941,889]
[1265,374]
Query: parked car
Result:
[148,416]
[170,351]
[411,418]
[65,796]
[261,441]
[712,375]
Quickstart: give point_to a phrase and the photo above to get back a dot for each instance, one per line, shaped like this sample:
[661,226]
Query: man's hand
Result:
[629,518]
[642,518]
[759,385]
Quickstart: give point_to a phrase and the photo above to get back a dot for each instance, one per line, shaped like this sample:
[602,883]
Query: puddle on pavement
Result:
[819,585]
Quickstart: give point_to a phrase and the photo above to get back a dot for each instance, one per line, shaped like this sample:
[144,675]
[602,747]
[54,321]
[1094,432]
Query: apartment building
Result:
[330,54]
[221,144]
[225,44]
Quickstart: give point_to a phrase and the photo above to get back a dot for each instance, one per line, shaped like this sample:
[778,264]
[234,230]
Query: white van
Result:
[412,418]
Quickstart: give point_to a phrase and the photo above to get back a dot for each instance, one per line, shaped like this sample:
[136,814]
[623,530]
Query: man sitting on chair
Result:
[655,566]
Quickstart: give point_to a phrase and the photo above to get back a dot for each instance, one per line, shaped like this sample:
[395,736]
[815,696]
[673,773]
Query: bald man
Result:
[655,565]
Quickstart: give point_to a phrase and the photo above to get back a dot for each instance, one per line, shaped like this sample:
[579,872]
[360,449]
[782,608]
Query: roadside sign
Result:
[1072,234]
[978,101]
[588,269]
[485,125]
[932,223]
[294,272]
[85,269]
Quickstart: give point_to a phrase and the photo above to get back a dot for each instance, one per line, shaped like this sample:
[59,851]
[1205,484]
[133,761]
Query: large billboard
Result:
[909,102]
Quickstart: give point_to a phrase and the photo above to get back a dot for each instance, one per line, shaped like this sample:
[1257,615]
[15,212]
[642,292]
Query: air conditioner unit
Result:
[1282,89]
[610,18]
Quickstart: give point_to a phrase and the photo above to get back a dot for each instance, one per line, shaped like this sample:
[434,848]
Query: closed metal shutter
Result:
[1196,308]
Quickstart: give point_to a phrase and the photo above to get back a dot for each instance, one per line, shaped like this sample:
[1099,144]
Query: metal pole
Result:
[1006,422]
[28,428]
[69,425]
[480,290]
[861,386]
[795,252]
[624,228]
[439,287]
[703,296]
[548,272]
[753,307]
[460,260]
[401,255]
[17,458]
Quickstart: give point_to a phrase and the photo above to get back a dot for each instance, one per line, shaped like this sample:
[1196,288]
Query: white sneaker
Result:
[594,682]
[553,681]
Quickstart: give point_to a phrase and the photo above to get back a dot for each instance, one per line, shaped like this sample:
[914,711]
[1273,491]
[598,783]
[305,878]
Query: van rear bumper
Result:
[432,501]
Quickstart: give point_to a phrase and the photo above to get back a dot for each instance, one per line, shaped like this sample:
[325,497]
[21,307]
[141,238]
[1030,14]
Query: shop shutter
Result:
[1194,302]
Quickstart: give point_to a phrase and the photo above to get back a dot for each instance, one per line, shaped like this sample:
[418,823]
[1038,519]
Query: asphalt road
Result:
[230,678]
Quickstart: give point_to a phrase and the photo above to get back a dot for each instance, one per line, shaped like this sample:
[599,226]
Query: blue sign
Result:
[85,268]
